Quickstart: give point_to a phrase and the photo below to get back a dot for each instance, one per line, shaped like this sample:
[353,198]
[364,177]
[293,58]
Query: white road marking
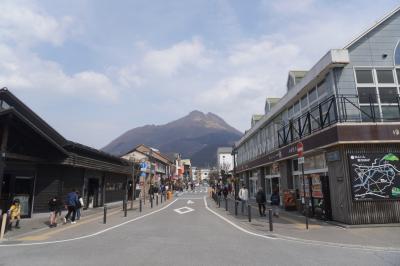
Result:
[183,210]
[91,235]
[303,241]
[189,202]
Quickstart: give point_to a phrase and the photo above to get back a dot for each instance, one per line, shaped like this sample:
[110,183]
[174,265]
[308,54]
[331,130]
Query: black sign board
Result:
[375,176]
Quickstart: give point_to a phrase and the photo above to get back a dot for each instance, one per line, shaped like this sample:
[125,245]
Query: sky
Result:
[94,69]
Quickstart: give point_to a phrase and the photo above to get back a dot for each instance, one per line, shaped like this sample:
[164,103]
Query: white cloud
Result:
[169,61]
[24,22]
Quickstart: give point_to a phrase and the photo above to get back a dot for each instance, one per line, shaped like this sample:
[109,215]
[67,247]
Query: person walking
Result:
[54,208]
[71,202]
[243,196]
[79,206]
[261,199]
[15,214]
[275,202]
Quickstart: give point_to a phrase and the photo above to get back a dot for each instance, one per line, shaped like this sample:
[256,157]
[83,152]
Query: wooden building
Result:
[37,163]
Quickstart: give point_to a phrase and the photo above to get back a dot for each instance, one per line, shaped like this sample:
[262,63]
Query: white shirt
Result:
[244,194]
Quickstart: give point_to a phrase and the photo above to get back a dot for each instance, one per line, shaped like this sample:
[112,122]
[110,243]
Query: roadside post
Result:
[105,214]
[140,205]
[125,207]
[271,228]
[157,200]
[249,212]
[3,226]
[151,201]
[226,204]
[300,149]
[236,207]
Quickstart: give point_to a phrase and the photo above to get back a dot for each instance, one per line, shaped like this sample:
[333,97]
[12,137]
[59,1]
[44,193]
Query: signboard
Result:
[300,149]
[375,176]
[300,160]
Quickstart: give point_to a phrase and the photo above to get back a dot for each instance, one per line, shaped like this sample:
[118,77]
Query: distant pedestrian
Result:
[54,207]
[275,202]
[243,196]
[261,200]
[225,192]
[71,203]
[15,213]
[79,206]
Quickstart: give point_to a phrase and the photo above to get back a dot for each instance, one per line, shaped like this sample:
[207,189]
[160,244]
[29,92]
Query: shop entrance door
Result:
[327,198]
[17,187]
[93,193]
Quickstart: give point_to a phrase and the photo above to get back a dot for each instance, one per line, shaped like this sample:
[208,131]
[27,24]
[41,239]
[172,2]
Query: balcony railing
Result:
[338,108]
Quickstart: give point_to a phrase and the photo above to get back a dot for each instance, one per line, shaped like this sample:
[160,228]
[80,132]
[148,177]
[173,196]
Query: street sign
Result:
[300,149]
[300,160]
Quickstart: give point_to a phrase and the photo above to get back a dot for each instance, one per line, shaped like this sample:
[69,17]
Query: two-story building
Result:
[345,111]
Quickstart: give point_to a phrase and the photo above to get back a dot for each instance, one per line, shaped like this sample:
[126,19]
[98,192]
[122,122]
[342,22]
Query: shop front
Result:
[313,187]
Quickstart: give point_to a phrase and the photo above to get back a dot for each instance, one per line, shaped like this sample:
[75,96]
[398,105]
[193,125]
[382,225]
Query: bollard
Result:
[249,212]
[236,207]
[151,202]
[105,214]
[161,197]
[242,207]
[3,225]
[125,209]
[270,220]
[140,205]
[226,204]
[219,202]
[157,200]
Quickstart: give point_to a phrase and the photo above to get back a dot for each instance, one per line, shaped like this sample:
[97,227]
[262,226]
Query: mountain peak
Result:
[196,136]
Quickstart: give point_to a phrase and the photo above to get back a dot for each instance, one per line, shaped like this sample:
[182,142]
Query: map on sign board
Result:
[375,176]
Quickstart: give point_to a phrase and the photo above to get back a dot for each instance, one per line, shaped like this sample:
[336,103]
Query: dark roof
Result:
[24,113]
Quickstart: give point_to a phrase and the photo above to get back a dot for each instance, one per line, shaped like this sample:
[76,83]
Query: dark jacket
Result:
[72,199]
[54,205]
[260,197]
[275,199]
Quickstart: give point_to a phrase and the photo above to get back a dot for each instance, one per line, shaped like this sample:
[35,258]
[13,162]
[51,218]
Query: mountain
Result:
[196,136]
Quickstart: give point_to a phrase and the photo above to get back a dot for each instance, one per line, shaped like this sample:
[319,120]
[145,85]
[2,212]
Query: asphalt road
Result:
[197,237]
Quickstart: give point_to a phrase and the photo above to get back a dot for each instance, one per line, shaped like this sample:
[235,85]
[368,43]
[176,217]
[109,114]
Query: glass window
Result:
[364,76]
[296,108]
[322,88]
[390,112]
[388,95]
[397,55]
[290,112]
[304,102]
[398,75]
[367,95]
[385,76]
[312,95]
[367,112]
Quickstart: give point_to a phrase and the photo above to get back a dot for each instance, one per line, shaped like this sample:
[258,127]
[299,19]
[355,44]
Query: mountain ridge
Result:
[196,136]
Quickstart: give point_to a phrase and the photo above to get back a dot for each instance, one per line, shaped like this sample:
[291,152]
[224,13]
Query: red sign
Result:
[300,149]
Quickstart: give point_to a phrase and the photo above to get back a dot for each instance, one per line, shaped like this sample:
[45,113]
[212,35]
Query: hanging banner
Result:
[375,176]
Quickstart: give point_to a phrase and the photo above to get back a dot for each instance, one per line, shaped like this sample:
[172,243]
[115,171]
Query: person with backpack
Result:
[79,206]
[54,207]
[71,203]
[275,202]
[261,200]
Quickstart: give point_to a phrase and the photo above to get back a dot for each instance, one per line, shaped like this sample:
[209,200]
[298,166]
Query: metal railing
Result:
[337,109]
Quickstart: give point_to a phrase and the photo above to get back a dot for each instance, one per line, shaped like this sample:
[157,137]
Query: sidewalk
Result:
[292,225]
[37,226]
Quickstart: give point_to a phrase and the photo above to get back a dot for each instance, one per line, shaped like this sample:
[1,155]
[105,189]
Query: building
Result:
[37,163]
[224,160]
[346,112]
[158,167]
[204,174]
